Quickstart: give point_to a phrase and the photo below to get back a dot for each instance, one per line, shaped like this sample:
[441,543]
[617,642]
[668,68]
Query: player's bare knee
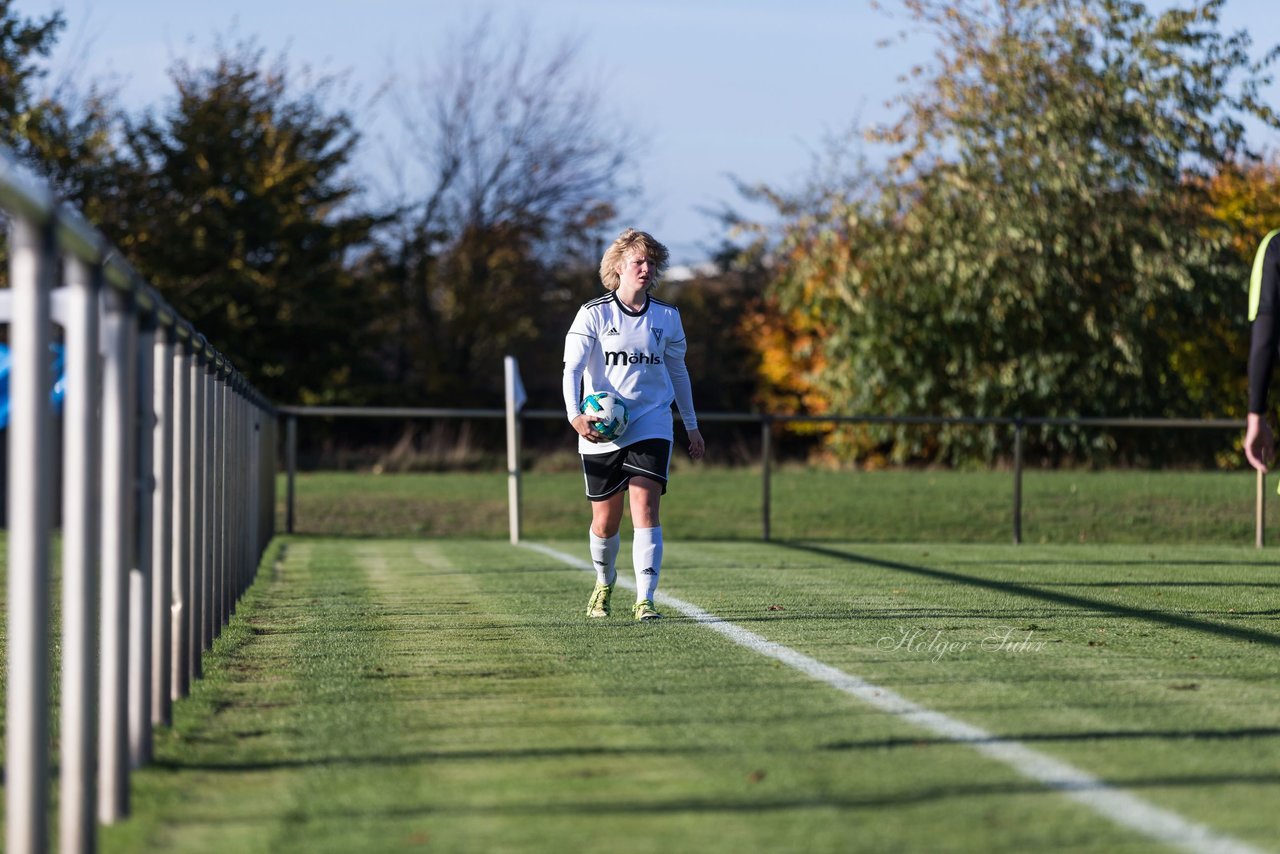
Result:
[606,516]
[646,495]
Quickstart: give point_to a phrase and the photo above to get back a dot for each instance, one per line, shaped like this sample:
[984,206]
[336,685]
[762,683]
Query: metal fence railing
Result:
[767,423]
[168,463]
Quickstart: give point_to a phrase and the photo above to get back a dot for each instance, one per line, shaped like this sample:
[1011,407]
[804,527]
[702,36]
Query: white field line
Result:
[1121,807]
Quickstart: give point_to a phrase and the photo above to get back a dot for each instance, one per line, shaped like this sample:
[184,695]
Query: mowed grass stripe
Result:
[1121,807]
[1156,672]
[377,695]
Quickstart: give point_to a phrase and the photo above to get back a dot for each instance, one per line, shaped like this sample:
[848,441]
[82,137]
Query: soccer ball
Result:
[608,413]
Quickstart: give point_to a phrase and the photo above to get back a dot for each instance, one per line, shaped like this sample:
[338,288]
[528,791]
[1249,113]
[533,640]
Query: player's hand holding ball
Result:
[582,424]
[606,415]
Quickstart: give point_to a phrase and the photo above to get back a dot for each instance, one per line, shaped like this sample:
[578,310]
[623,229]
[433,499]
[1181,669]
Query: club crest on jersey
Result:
[657,335]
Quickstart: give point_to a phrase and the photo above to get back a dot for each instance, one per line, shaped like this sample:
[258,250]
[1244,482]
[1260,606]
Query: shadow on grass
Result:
[571,752]
[1051,738]
[761,800]
[1252,564]
[1037,592]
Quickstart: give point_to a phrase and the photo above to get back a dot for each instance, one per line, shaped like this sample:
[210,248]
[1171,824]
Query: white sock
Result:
[604,556]
[646,553]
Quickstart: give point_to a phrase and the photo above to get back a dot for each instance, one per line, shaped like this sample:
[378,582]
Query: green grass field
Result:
[887,506]
[396,694]
[380,693]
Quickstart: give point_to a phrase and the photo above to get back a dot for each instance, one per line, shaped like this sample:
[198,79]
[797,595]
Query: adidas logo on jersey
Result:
[613,330]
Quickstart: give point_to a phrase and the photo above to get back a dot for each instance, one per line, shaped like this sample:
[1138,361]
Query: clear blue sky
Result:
[742,87]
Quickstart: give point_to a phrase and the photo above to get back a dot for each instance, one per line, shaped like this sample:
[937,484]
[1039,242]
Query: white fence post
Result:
[243,541]
[140,570]
[208,566]
[232,509]
[219,449]
[119,333]
[180,560]
[199,523]
[80,548]
[291,470]
[162,525]
[30,497]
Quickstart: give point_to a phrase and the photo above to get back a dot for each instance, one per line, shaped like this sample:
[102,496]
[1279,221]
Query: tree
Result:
[237,204]
[1245,197]
[1042,235]
[511,176]
[62,135]
[24,43]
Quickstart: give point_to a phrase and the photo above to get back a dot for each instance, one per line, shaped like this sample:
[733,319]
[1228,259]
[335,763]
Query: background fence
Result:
[768,425]
[168,464]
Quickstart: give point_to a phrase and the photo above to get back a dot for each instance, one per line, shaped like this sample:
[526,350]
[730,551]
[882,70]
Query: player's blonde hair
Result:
[617,253]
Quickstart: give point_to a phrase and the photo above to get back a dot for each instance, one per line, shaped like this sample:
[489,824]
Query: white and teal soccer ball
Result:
[608,413]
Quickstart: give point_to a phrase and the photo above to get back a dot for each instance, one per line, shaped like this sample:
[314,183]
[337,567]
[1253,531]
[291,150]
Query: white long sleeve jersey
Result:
[638,355]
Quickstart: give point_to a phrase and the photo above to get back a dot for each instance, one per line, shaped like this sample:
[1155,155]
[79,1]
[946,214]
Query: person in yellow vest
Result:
[1264,347]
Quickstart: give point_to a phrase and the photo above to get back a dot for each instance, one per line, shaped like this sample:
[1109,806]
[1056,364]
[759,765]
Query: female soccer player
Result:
[633,345]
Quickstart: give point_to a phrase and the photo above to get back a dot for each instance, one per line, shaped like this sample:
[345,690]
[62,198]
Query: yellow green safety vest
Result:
[1255,280]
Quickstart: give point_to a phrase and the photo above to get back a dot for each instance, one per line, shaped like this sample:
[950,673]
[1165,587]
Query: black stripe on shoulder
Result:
[657,301]
[597,301]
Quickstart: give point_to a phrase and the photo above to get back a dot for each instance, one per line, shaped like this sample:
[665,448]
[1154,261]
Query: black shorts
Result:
[607,473]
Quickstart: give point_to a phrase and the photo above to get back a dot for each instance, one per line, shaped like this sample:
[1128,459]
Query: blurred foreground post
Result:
[31,264]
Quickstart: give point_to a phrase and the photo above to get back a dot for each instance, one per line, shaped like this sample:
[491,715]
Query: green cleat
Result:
[644,610]
[599,604]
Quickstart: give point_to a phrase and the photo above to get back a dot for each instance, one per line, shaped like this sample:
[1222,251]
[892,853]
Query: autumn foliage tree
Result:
[1042,237]
[1245,197]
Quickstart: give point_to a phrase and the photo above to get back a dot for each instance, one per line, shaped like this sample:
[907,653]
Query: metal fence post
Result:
[291,461]
[271,462]
[766,465]
[1018,429]
[219,468]
[162,526]
[81,505]
[209,574]
[142,438]
[30,498]
[226,458]
[180,563]
[239,503]
[119,332]
[195,559]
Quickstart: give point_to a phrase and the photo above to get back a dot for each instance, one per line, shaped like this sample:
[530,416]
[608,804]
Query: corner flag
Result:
[515,401]
[515,388]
